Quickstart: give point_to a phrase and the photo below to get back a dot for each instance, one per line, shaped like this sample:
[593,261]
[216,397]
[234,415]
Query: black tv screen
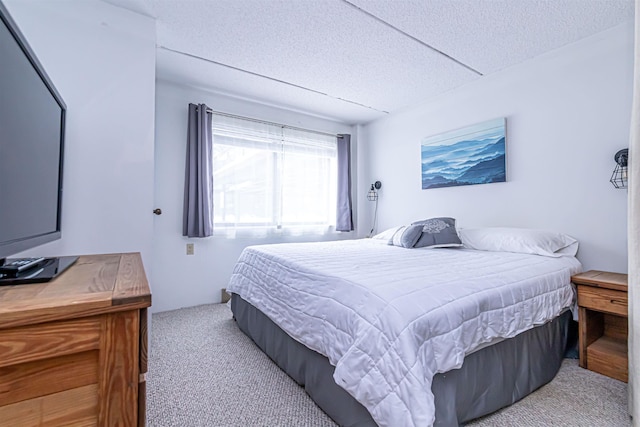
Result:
[32,119]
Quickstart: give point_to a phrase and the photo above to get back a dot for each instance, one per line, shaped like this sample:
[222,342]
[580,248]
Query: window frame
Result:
[326,151]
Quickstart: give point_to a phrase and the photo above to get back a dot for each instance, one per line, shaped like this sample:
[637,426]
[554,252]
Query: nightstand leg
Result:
[582,336]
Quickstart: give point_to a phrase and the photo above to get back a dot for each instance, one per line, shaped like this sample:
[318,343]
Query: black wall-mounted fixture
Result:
[372,195]
[619,175]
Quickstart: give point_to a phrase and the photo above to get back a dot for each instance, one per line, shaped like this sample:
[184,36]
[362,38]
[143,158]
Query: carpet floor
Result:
[203,371]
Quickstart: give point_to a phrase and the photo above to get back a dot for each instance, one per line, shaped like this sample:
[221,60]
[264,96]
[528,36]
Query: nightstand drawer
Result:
[600,299]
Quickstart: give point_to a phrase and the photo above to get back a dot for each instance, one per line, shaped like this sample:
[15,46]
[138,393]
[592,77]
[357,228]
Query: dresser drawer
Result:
[605,300]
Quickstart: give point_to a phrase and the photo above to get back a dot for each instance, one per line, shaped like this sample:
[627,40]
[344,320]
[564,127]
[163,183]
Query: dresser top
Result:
[94,284]
[601,279]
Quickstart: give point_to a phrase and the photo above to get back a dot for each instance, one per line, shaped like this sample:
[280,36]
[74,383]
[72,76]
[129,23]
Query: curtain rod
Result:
[233,116]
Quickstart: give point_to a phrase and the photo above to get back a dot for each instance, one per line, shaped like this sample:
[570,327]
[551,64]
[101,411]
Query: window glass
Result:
[272,179]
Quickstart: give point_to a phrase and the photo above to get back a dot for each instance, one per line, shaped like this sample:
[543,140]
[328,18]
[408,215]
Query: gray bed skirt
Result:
[489,379]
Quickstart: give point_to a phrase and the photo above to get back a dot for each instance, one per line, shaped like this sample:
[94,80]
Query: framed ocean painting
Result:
[470,155]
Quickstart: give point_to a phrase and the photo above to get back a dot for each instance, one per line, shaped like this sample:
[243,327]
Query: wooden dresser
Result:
[73,352]
[603,323]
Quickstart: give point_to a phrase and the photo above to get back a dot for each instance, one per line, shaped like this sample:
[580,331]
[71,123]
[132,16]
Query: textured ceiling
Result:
[357,60]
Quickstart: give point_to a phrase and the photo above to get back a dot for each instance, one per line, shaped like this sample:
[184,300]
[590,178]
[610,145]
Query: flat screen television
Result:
[32,130]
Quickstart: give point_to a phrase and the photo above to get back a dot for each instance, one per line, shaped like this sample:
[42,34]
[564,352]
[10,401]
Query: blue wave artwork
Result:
[471,155]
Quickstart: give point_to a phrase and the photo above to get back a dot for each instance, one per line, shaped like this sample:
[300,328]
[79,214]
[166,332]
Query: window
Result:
[272,179]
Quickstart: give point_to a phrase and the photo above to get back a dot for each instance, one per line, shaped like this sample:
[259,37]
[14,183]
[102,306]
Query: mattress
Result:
[389,319]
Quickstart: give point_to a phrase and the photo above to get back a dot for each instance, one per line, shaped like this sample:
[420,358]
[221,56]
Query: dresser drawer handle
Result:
[617,301]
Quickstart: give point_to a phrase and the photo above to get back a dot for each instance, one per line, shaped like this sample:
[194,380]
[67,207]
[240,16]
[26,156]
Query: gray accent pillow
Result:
[407,236]
[438,233]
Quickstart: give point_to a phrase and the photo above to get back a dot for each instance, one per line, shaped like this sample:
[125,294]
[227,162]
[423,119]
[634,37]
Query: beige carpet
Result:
[204,372]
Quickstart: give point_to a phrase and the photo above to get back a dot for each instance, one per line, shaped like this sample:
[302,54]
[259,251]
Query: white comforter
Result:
[390,318]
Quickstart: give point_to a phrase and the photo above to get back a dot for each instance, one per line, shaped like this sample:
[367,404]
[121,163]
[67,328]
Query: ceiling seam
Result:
[269,78]
[382,21]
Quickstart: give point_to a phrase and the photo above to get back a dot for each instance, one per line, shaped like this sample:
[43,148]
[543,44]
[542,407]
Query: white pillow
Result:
[387,235]
[520,240]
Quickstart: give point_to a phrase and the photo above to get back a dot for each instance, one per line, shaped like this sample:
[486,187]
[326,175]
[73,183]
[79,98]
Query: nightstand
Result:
[603,324]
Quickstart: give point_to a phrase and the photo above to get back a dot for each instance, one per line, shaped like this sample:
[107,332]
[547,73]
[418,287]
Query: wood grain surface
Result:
[93,285]
[131,285]
[602,279]
[71,350]
[35,379]
[603,322]
[603,299]
[119,370]
[608,356]
[36,342]
[71,408]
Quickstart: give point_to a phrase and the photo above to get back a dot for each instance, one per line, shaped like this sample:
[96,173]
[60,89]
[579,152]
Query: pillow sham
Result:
[519,240]
[438,233]
[386,235]
[406,236]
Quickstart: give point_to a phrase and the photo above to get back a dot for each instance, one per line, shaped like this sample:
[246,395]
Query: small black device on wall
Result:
[619,175]
[372,195]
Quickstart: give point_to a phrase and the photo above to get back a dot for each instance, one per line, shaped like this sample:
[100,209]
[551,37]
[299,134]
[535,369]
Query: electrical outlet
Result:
[189,248]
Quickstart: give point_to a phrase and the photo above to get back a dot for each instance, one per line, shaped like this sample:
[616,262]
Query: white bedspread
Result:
[390,318]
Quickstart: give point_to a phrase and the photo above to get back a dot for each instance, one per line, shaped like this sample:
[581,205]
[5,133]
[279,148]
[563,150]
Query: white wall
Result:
[102,61]
[567,112]
[182,280]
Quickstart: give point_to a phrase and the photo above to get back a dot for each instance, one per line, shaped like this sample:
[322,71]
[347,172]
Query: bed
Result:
[384,335]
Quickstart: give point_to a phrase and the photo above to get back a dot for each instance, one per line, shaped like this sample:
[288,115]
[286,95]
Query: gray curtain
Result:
[198,184]
[344,217]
